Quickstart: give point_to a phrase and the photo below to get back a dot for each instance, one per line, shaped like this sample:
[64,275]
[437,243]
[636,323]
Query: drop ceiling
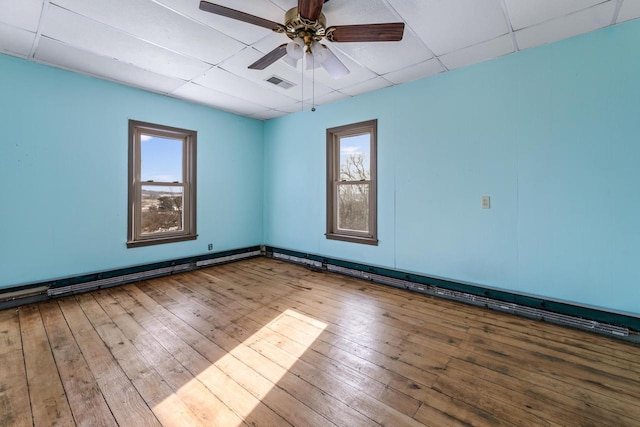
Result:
[173,48]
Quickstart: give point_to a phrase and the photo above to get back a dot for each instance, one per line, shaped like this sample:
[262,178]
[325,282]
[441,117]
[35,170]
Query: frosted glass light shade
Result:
[295,48]
[334,67]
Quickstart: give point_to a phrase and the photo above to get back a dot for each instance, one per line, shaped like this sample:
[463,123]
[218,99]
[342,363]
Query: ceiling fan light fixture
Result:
[320,52]
[311,61]
[332,65]
[295,48]
[315,56]
[290,61]
[295,52]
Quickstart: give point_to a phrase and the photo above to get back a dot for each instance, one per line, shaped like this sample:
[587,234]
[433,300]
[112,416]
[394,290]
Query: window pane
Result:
[161,159]
[162,209]
[355,158]
[353,207]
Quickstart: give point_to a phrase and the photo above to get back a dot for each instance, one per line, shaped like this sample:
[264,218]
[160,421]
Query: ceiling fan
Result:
[306,26]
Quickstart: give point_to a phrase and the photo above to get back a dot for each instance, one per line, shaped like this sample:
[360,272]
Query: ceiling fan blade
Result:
[240,16]
[391,32]
[269,58]
[310,9]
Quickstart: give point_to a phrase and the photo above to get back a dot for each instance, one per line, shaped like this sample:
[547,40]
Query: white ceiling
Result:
[173,48]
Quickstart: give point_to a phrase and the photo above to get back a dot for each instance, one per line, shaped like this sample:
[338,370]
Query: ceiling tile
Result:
[238,30]
[525,13]
[368,86]
[308,104]
[567,26]
[500,46]
[415,72]
[629,10]
[61,55]
[352,12]
[331,97]
[284,4]
[160,26]
[100,39]
[219,100]
[446,26]
[295,108]
[15,41]
[267,114]
[21,13]
[234,85]
[312,91]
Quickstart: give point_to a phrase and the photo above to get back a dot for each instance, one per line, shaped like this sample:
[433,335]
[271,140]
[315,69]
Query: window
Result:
[351,183]
[162,184]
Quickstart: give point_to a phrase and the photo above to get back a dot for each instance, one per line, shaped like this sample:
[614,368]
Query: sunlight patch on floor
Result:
[245,375]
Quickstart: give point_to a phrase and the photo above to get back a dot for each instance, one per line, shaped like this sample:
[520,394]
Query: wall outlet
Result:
[210,246]
[486,202]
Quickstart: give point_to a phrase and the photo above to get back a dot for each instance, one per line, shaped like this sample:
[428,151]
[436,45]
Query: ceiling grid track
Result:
[36,40]
[507,18]
[616,12]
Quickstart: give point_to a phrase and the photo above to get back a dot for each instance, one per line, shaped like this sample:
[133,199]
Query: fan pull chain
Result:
[313,84]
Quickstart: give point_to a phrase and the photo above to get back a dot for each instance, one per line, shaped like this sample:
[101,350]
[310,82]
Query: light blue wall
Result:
[63,168]
[551,134]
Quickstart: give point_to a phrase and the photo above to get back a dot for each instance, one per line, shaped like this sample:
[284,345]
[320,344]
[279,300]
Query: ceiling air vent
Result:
[280,82]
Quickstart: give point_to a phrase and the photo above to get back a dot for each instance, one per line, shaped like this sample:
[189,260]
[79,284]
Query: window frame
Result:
[333,182]
[189,142]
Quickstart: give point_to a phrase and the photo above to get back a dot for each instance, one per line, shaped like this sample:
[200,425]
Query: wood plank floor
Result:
[261,342]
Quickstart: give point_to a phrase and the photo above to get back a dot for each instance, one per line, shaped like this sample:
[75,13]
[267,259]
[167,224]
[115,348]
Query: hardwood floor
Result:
[261,342]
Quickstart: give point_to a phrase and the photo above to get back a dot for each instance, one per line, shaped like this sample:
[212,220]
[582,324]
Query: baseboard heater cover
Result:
[41,291]
[117,280]
[148,274]
[477,300]
[56,288]
[23,296]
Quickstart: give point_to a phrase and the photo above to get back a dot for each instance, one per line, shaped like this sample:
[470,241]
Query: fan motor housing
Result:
[297,26]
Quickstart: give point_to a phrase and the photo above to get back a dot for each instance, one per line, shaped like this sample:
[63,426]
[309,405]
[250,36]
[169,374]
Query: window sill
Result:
[160,241]
[353,239]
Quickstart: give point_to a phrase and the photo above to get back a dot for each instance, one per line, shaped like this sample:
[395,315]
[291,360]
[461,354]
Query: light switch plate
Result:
[486,202]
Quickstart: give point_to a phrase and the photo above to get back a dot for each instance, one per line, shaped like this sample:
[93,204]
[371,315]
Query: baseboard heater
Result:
[613,324]
[371,274]
[78,284]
